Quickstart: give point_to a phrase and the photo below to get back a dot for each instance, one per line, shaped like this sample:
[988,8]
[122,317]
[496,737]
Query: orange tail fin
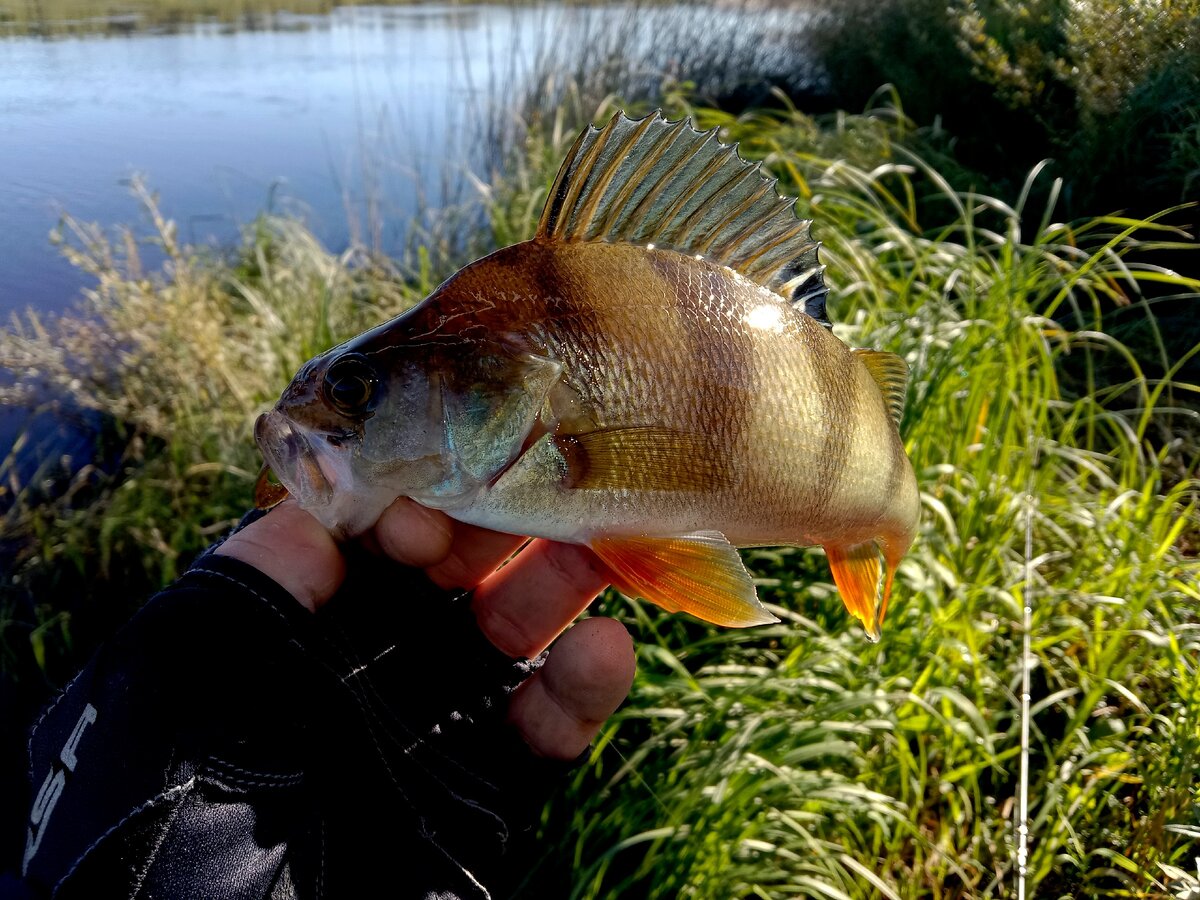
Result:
[856,573]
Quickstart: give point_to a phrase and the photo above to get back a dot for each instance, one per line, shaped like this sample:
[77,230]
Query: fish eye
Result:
[351,385]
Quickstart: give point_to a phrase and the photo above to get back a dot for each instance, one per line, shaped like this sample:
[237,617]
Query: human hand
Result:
[520,608]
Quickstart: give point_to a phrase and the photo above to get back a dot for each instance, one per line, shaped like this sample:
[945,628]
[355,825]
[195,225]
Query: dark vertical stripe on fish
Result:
[835,386]
[570,323]
[726,367]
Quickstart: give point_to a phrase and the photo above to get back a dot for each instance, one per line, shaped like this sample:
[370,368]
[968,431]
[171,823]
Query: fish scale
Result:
[651,375]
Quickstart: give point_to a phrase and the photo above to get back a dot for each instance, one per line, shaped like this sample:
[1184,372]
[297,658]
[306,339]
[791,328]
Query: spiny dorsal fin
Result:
[650,181]
[891,374]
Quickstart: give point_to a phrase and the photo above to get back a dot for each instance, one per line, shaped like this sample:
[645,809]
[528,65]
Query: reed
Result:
[175,362]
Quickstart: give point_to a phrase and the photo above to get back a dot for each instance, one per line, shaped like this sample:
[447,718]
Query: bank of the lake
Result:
[796,759]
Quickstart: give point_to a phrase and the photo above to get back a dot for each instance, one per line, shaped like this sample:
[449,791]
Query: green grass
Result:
[793,760]
[800,760]
[1107,89]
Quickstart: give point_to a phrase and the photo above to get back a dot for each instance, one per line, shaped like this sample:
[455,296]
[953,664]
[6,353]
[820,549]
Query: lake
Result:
[352,120]
[223,125]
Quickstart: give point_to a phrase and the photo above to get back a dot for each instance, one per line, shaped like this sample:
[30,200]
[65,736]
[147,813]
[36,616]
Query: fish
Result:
[652,375]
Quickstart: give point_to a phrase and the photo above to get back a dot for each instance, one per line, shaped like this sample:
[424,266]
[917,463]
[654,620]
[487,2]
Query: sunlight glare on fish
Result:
[765,317]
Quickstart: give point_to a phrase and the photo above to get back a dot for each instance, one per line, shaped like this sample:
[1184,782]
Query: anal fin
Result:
[700,573]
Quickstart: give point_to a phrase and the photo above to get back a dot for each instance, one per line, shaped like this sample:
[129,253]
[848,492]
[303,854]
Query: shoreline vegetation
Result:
[1051,418]
[78,18]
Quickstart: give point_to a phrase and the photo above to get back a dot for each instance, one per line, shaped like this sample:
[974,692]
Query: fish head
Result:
[353,431]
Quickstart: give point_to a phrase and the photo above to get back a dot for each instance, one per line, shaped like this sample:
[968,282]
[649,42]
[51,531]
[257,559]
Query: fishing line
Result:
[1026,665]
[627,763]
[633,770]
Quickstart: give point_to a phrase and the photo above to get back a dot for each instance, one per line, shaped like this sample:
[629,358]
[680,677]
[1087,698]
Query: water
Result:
[352,119]
[361,105]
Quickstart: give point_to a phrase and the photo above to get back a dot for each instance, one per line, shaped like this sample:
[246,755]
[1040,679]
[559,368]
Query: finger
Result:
[292,549]
[474,552]
[525,605]
[563,706]
[414,535]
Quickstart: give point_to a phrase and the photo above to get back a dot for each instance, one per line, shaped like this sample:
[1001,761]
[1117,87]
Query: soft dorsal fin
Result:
[891,374]
[650,181]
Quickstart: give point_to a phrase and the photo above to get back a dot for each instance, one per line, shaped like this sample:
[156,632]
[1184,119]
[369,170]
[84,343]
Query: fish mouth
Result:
[289,453]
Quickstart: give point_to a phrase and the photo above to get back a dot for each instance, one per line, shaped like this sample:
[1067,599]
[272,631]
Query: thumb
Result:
[292,549]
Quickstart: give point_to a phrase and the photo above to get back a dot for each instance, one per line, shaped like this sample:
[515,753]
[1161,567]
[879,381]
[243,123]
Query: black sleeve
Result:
[229,744]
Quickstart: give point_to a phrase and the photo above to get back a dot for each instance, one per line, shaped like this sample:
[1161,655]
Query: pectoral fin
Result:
[268,492]
[856,573]
[701,574]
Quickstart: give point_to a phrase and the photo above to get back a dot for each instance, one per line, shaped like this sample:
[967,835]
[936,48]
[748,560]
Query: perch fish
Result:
[652,375]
